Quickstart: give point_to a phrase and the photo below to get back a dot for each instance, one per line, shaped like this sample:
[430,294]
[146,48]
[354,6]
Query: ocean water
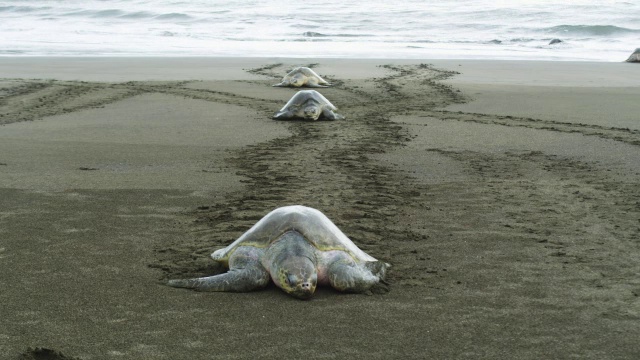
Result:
[594,30]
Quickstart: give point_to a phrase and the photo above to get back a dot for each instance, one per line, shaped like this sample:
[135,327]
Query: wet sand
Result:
[506,195]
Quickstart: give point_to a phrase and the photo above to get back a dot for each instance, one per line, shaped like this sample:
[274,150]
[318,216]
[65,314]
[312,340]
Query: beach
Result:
[505,195]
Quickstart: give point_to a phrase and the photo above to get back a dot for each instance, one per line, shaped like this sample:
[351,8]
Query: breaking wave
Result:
[591,30]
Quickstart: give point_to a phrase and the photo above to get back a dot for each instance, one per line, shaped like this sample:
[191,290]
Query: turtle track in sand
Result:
[326,165]
[28,100]
[625,135]
[323,165]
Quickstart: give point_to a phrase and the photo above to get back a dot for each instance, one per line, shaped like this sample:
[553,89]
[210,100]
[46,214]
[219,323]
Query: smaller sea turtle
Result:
[635,57]
[302,76]
[298,248]
[308,105]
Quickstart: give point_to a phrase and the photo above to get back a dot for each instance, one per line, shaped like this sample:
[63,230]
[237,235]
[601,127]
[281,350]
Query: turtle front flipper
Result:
[346,275]
[316,84]
[284,114]
[331,115]
[245,274]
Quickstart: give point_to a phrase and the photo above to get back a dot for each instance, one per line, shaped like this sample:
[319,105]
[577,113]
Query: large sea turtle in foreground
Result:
[298,248]
[308,105]
[302,76]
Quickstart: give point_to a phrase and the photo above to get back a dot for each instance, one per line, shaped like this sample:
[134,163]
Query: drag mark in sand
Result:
[28,100]
[625,135]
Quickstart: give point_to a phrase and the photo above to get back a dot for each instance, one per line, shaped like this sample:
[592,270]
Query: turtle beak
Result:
[304,291]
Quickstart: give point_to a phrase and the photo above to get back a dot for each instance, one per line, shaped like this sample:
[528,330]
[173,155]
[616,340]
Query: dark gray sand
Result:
[511,234]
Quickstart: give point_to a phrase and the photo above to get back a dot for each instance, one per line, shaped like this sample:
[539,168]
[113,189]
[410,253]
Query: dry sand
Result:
[507,198]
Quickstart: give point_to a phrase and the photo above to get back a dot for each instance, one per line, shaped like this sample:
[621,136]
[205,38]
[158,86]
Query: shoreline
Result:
[164,68]
[506,205]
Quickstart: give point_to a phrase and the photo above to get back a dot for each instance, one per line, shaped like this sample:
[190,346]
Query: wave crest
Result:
[23,9]
[592,30]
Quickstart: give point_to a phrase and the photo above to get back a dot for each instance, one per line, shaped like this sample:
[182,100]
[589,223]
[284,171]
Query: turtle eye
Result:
[292,280]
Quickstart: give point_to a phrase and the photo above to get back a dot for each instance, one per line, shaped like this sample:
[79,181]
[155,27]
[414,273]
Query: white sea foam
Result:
[589,29]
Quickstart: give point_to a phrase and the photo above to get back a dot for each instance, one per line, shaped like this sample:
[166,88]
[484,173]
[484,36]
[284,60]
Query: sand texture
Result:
[506,196]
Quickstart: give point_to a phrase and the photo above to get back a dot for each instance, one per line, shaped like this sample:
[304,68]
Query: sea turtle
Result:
[297,247]
[635,56]
[309,105]
[302,76]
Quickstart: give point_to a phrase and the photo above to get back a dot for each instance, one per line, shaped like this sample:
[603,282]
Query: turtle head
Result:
[296,80]
[311,111]
[297,276]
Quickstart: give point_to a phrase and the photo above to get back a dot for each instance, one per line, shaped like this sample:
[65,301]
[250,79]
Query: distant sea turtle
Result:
[635,57]
[309,105]
[297,247]
[302,76]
